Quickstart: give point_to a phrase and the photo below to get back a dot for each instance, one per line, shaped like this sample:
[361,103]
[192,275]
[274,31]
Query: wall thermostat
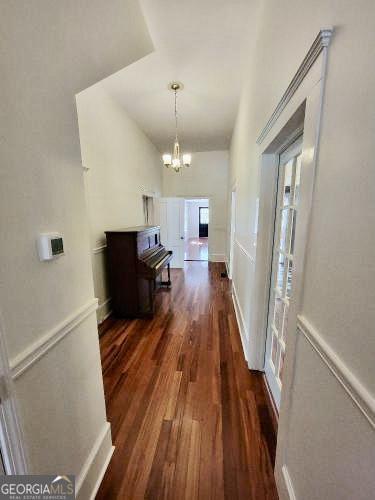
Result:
[50,246]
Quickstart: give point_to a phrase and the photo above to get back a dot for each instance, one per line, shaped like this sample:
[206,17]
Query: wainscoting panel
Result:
[30,355]
[64,364]
[360,396]
[330,461]
[244,334]
[99,267]
[242,283]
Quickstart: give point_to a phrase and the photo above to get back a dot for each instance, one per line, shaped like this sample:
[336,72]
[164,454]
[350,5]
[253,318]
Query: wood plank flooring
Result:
[189,420]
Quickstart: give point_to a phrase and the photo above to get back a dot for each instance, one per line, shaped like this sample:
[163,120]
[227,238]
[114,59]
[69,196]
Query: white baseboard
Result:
[93,471]
[227,267]
[240,322]
[106,316]
[104,311]
[216,257]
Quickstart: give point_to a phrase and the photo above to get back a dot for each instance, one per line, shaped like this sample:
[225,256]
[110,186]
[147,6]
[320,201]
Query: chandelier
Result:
[176,160]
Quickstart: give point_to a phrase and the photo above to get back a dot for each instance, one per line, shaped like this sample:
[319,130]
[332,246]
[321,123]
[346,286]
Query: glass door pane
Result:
[282,265]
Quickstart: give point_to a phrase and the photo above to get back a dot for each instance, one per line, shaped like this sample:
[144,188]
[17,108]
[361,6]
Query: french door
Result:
[289,174]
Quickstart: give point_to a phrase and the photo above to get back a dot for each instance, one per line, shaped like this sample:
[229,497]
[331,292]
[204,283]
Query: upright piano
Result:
[136,260]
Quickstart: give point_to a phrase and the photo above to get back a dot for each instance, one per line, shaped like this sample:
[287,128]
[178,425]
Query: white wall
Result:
[122,166]
[50,51]
[207,177]
[339,294]
[192,217]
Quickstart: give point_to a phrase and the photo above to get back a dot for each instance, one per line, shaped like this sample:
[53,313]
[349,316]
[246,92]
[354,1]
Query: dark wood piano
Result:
[136,260]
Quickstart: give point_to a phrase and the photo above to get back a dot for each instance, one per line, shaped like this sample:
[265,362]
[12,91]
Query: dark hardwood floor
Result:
[189,420]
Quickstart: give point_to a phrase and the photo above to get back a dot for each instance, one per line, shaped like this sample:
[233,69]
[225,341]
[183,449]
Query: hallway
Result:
[189,420]
[196,249]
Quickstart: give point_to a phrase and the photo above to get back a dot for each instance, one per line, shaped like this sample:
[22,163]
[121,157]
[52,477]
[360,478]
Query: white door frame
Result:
[11,441]
[202,197]
[305,95]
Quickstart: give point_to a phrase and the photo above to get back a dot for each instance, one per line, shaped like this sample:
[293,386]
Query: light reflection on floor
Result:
[196,249]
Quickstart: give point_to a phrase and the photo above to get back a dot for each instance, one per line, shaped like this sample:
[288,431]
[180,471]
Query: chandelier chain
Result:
[175,112]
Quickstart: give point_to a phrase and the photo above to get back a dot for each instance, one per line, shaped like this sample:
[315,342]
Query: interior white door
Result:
[282,265]
[171,218]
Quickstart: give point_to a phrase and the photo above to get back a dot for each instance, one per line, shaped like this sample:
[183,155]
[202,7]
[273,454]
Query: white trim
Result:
[106,316]
[99,249]
[11,438]
[354,388]
[244,334]
[322,40]
[244,251]
[216,257]
[288,483]
[102,472]
[306,89]
[102,315]
[93,470]
[264,246]
[312,127]
[150,194]
[227,267]
[20,363]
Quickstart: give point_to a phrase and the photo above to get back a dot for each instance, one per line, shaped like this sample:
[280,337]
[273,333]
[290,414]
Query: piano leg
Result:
[167,283]
[169,274]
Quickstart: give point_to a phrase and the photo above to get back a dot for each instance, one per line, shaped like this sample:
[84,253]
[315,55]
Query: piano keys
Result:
[136,261]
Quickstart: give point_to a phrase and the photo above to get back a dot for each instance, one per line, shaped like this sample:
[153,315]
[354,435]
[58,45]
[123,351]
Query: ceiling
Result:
[203,44]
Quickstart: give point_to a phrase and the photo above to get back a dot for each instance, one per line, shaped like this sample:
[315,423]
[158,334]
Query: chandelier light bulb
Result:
[186,159]
[167,160]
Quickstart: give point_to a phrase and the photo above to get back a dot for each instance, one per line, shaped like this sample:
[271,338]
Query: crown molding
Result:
[321,41]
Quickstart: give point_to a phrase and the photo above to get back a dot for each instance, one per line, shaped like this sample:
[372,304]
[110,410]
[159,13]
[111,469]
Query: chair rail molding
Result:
[20,363]
[244,251]
[321,42]
[99,249]
[361,397]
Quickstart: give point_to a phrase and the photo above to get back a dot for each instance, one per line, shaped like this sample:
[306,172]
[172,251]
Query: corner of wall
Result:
[93,471]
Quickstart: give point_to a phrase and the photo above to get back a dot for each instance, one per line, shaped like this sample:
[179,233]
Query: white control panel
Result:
[50,246]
